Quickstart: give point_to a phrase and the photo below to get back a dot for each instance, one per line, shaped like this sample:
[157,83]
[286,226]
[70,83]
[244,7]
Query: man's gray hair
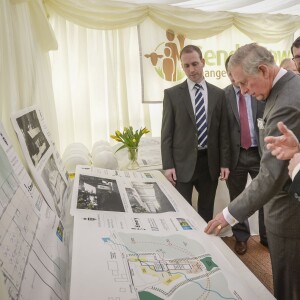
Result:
[249,57]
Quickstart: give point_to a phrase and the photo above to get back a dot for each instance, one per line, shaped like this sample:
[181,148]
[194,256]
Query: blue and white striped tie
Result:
[200,116]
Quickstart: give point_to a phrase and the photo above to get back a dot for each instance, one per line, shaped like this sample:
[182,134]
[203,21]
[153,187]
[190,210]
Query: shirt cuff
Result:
[295,171]
[229,218]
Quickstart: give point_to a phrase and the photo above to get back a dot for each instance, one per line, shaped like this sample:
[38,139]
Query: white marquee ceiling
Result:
[291,7]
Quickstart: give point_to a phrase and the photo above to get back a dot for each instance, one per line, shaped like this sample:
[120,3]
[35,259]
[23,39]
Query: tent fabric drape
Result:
[194,24]
[96,81]
[25,77]
[104,15]
[40,25]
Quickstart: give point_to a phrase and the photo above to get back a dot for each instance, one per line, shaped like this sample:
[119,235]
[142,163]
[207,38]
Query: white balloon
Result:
[101,148]
[76,148]
[101,143]
[73,160]
[105,159]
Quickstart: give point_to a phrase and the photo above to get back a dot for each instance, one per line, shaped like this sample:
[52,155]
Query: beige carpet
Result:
[257,259]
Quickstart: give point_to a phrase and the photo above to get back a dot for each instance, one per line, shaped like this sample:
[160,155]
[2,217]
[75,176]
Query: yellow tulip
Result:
[145,130]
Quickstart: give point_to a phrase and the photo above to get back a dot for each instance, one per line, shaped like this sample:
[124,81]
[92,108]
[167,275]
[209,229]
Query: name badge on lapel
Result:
[260,123]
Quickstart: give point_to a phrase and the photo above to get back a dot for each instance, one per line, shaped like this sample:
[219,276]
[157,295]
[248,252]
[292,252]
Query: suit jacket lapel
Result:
[254,109]
[211,102]
[232,100]
[185,95]
[271,100]
[254,106]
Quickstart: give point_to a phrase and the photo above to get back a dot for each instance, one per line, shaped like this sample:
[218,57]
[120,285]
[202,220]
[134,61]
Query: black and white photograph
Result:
[97,193]
[35,139]
[54,182]
[147,197]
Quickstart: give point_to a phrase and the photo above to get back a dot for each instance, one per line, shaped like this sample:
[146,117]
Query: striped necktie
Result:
[200,116]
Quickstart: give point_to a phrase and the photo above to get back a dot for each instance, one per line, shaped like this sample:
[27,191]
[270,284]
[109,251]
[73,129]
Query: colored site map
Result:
[168,268]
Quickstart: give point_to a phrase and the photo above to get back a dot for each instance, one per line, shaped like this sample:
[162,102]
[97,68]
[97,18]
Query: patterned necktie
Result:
[200,116]
[244,123]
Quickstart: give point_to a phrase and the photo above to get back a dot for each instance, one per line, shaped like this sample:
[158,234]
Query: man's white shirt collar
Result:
[279,75]
[191,84]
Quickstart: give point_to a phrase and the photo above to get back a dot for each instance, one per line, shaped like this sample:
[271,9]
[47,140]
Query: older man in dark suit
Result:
[194,134]
[243,112]
[254,69]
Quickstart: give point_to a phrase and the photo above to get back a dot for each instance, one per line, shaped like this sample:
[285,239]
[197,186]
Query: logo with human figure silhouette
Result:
[165,57]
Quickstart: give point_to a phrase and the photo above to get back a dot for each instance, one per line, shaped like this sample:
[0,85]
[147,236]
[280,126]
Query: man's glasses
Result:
[296,59]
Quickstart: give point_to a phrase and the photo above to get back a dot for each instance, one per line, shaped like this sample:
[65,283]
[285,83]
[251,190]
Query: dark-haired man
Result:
[194,134]
[295,50]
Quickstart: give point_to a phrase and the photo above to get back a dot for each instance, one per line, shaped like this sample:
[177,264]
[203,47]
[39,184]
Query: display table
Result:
[149,242]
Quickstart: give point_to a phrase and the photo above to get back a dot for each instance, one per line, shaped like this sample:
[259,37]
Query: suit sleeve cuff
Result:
[295,171]
[229,218]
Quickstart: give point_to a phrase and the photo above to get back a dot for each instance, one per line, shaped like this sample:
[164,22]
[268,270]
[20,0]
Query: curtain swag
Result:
[193,23]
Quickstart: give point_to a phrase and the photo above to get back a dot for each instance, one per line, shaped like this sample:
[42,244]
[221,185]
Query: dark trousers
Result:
[205,187]
[249,163]
[285,259]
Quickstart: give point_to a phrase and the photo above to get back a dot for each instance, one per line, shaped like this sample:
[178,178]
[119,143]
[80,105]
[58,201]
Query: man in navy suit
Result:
[244,160]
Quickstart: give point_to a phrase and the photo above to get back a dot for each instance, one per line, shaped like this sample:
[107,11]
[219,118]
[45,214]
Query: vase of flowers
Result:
[130,139]
[132,157]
